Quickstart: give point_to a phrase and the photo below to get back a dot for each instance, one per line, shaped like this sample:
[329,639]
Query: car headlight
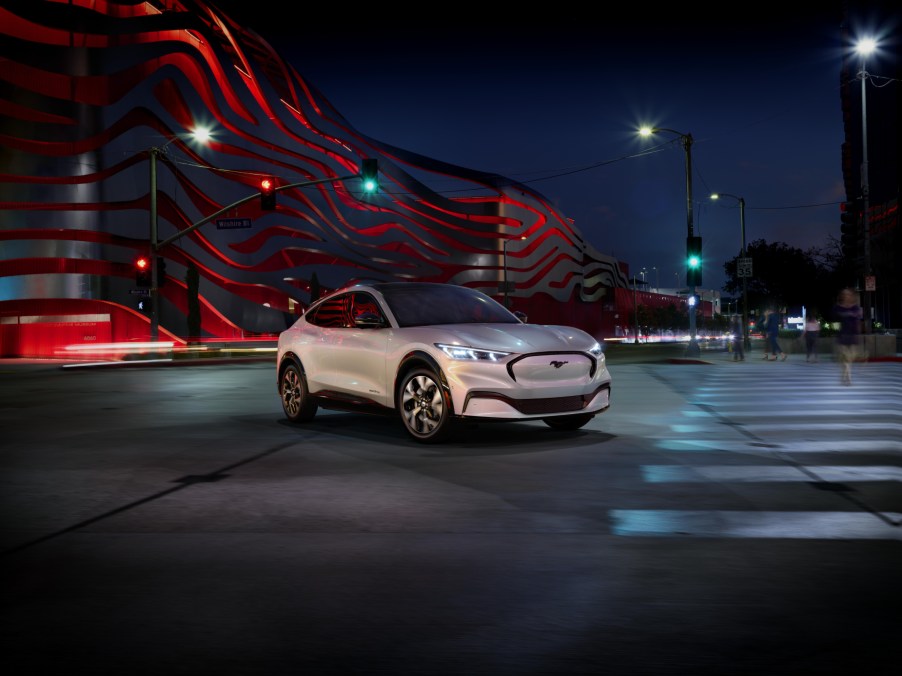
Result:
[463,353]
[596,350]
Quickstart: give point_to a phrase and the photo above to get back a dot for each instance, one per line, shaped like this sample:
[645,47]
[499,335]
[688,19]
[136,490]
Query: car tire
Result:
[568,422]
[297,403]
[425,406]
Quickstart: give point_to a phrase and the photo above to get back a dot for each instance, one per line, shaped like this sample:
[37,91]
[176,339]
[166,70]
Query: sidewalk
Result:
[675,353]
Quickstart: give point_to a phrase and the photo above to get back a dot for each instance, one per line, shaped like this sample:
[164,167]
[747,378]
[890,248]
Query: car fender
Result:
[288,358]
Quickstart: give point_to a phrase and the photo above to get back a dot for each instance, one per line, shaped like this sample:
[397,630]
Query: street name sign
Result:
[233,223]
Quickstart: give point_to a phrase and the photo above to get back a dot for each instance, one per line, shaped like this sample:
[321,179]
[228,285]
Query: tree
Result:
[785,276]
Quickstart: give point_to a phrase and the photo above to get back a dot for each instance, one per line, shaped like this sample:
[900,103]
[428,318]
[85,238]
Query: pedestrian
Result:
[847,312]
[771,331]
[811,332]
[738,339]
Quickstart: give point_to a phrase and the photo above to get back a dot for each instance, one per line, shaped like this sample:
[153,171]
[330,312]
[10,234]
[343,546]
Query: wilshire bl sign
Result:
[233,223]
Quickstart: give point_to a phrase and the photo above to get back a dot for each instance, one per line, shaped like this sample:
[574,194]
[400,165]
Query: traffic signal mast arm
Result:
[256,195]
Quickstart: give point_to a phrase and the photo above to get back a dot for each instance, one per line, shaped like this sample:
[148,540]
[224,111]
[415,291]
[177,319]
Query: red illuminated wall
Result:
[92,86]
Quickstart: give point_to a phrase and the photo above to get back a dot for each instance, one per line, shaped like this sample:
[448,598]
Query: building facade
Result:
[101,165]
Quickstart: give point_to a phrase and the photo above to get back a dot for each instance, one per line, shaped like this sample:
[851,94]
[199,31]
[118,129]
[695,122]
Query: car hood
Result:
[519,338]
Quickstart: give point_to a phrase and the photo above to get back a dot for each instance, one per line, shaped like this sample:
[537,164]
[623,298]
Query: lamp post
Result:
[741,269]
[636,309]
[692,349]
[657,287]
[154,271]
[504,252]
[200,134]
[864,48]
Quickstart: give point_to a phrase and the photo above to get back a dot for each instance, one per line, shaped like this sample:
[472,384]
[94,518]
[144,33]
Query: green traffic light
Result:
[370,175]
[694,262]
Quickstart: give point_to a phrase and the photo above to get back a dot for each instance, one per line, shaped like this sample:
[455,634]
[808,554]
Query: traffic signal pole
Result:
[691,274]
[692,349]
[154,272]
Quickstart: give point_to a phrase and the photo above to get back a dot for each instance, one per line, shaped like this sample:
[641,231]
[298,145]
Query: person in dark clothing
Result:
[738,339]
[771,331]
[848,313]
[812,330]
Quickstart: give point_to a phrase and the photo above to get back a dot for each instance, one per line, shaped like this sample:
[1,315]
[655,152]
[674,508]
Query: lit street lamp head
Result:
[866,46]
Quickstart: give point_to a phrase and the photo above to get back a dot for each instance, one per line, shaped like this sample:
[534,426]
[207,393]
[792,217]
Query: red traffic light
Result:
[268,193]
[142,271]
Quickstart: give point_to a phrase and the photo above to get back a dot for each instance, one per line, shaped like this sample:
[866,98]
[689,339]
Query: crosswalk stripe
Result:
[791,445]
[775,525]
[763,473]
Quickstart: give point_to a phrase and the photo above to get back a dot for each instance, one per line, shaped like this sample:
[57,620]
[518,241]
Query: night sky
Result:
[555,102]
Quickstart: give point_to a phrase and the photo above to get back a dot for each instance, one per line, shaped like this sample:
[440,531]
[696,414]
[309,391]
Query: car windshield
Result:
[427,304]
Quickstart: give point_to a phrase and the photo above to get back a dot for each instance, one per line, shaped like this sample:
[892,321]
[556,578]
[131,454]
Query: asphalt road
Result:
[720,519]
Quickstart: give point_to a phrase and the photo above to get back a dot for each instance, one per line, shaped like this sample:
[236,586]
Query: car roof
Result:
[388,286]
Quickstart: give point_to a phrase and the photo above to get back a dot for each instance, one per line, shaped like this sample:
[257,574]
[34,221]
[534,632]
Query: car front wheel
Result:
[568,422]
[425,406]
[297,403]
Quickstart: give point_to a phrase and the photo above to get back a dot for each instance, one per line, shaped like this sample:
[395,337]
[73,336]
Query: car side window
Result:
[331,313]
[363,304]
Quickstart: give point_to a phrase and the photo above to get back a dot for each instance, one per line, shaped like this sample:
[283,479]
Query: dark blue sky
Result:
[556,102]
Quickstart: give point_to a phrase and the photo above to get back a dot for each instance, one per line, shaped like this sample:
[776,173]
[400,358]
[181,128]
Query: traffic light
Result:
[268,193]
[161,271]
[851,238]
[370,175]
[693,261]
[142,271]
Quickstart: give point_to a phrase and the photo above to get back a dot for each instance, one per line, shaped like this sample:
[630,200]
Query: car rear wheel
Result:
[297,403]
[568,422]
[425,406]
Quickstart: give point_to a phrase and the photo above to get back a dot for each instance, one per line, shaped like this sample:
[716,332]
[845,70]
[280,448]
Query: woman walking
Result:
[848,313]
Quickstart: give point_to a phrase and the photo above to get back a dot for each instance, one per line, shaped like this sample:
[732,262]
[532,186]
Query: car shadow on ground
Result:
[468,438]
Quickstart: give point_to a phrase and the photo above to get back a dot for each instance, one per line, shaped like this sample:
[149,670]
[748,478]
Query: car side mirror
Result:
[520,315]
[369,320]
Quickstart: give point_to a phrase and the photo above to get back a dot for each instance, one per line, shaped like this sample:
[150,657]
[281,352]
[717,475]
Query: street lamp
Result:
[657,288]
[200,134]
[865,47]
[504,252]
[686,140]
[742,269]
